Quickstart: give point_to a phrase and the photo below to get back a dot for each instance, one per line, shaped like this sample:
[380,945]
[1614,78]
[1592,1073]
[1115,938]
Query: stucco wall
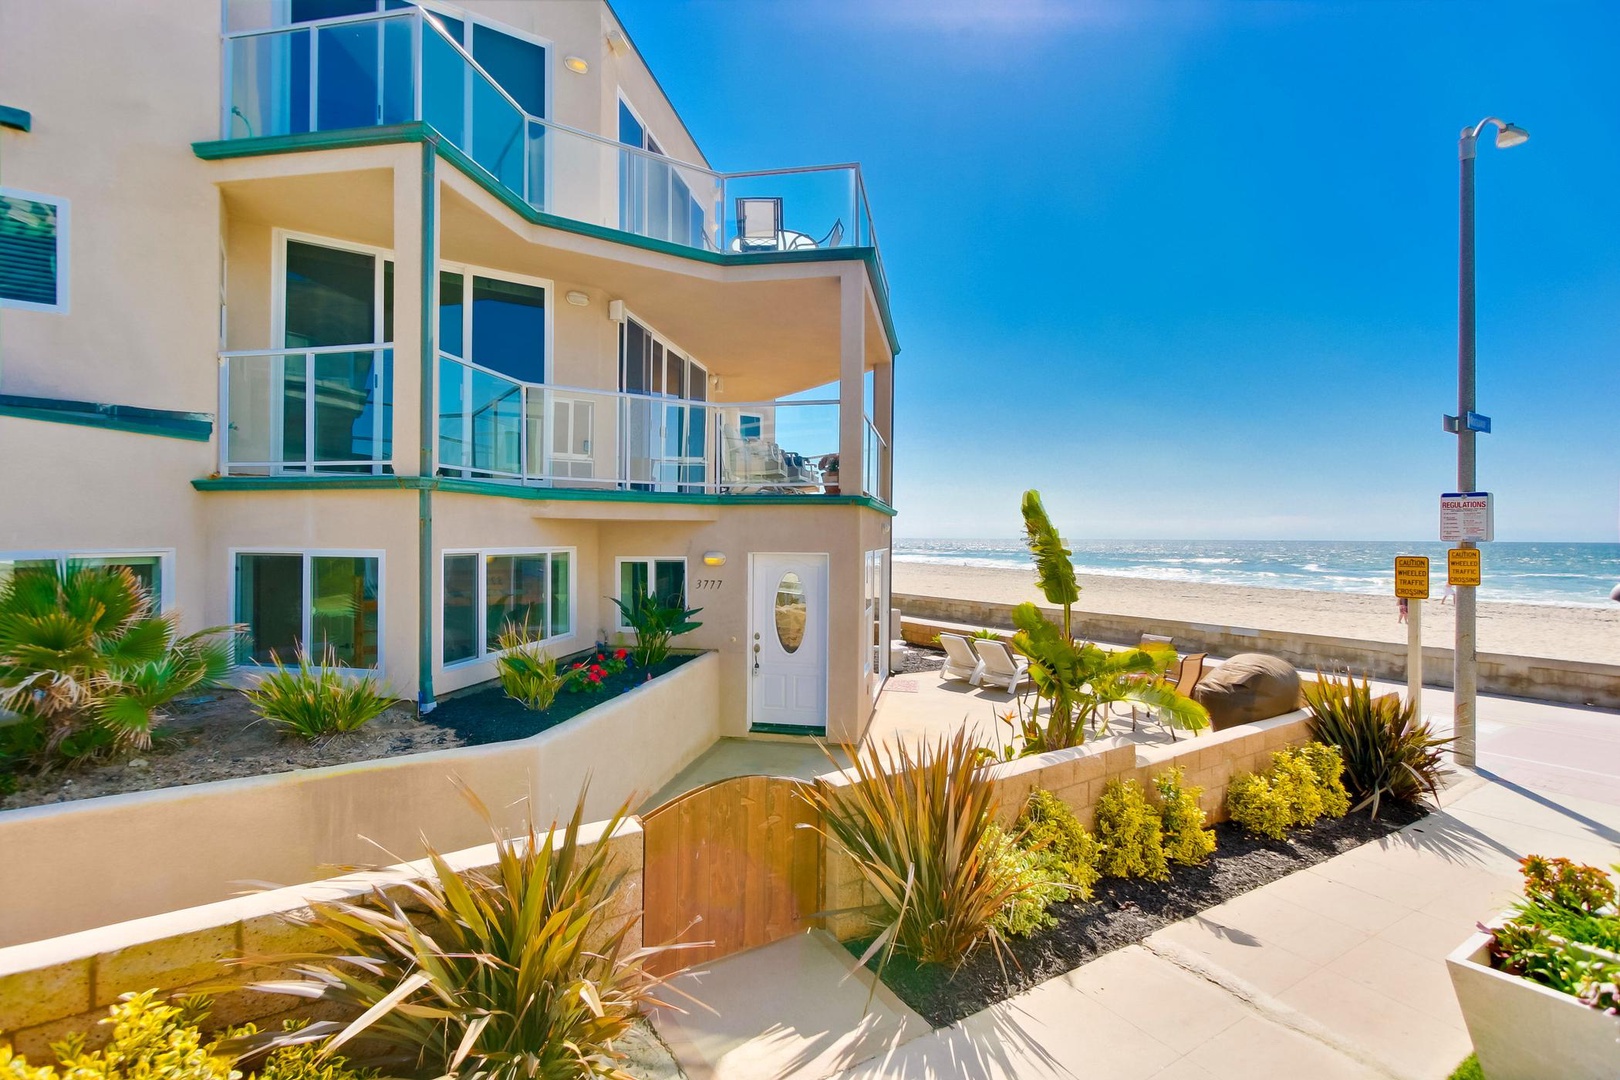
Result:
[1541,678]
[122,857]
[51,988]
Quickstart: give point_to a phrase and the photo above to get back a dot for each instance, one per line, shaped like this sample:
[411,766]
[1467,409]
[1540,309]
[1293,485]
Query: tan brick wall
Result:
[53,987]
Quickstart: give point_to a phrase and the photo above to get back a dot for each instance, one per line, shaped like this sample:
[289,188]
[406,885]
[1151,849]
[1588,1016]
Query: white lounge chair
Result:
[960,660]
[1001,667]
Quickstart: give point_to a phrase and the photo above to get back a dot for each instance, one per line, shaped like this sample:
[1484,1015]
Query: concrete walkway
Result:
[1334,971]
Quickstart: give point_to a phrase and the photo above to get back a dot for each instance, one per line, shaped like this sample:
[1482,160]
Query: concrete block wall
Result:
[51,988]
[1541,678]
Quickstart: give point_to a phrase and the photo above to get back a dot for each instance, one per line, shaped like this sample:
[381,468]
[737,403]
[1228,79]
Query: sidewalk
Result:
[1334,971]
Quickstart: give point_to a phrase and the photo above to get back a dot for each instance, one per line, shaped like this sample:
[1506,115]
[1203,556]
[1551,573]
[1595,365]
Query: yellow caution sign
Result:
[1412,577]
[1462,566]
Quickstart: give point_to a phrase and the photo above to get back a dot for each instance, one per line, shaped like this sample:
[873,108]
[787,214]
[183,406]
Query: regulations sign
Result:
[1467,516]
[1462,566]
[1412,577]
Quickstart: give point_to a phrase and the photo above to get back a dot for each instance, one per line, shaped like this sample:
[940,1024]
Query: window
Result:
[487,591]
[290,600]
[640,578]
[750,426]
[654,197]
[33,251]
[148,567]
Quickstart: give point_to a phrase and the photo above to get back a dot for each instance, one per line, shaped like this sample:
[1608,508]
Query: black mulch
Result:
[1124,912]
[489,716]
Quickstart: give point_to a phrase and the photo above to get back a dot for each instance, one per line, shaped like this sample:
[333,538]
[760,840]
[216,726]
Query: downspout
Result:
[425,702]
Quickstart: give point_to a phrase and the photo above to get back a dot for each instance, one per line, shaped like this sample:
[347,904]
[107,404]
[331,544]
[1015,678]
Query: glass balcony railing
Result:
[307,411]
[493,427]
[374,70]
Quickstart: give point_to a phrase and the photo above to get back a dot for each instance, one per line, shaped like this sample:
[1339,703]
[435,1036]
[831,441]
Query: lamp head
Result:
[1508,135]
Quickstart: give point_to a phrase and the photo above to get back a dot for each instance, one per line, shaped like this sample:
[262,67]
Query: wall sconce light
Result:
[617,43]
[616,310]
[577,64]
[717,383]
[714,558]
[579,299]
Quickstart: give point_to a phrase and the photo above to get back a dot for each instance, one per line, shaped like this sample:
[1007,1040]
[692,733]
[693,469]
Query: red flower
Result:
[596,669]
[621,654]
[595,676]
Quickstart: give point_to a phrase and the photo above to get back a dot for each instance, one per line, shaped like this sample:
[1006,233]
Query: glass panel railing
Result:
[874,461]
[302,411]
[778,447]
[793,210]
[480,421]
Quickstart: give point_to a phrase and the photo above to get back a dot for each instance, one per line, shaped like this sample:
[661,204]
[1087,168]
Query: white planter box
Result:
[1524,1031]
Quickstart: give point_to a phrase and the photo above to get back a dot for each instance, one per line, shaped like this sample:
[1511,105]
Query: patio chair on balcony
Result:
[834,237]
[759,224]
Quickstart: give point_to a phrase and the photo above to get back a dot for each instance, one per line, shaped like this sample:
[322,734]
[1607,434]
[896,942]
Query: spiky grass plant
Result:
[656,625]
[89,663]
[316,700]
[519,973]
[1388,751]
[527,672]
[914,824]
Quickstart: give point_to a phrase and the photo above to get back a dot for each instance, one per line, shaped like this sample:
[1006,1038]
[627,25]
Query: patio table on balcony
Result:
[786,240]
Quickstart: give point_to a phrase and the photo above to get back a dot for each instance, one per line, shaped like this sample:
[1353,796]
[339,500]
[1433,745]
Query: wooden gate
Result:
[735,863]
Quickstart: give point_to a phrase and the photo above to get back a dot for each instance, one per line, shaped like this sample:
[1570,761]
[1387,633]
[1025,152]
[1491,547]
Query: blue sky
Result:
[1190,268]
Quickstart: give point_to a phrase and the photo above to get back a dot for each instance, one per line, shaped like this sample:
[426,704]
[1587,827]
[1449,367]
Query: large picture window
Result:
[640,578]
[33,251]
[147,566]
[290,600]
[486,592]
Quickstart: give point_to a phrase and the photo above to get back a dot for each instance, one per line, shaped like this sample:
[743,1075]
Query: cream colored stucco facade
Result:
[174,263]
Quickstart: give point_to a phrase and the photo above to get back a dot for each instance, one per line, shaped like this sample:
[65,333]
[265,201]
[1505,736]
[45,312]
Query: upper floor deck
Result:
[294,73]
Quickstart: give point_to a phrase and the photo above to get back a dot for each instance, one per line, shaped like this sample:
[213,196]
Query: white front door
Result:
[788,641]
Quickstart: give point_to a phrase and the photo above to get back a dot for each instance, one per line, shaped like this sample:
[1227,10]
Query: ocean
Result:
[1524,573]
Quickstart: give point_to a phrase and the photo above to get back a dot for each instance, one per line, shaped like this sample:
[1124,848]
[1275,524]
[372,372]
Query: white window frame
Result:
[64,274]
[481,590]
[63,556]
[468,271]
[279,238]
[307,600]
[652,577]
[662,339]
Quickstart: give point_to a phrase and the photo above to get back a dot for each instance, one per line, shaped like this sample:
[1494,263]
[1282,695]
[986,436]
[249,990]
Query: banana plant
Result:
[1054,573]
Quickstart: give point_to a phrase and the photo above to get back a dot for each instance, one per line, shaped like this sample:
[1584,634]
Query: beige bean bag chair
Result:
[1248,687]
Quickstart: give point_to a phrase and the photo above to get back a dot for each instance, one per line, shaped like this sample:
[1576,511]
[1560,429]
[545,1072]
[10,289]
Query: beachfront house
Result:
[369,323]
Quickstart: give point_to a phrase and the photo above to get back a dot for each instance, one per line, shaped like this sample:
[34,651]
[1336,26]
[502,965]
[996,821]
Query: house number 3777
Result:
[705,583]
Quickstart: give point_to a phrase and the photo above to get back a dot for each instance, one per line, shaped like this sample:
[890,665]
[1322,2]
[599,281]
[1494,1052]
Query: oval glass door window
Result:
[790,612]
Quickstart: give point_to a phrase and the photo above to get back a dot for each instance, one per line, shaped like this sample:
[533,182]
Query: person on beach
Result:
[1401,608]
[1449,594]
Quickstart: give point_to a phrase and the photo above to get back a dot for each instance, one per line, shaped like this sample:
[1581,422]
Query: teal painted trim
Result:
[787,729]
[424,496]
[168,423]
[16,118]
[419,131]
[455,486]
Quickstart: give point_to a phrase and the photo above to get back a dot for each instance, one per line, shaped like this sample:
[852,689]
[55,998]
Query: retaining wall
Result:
[1540,678]
[121,857]
[51,988]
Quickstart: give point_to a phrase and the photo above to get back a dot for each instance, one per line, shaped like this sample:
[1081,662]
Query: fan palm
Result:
[88,661]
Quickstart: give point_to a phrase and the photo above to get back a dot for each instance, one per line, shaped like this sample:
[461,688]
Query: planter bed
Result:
[1124,912]
[487,715]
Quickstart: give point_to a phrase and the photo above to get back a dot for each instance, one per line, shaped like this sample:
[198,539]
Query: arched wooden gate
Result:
[737,862]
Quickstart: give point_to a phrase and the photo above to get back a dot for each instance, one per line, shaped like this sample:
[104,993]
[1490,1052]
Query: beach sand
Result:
[1571,633]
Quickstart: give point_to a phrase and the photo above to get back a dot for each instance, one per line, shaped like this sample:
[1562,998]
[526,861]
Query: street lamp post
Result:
[1465,680]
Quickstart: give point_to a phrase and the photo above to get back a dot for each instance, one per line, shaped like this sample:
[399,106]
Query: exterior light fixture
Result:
[1511,135]
[617,43]
[714,558]
[579,299]
[577,64]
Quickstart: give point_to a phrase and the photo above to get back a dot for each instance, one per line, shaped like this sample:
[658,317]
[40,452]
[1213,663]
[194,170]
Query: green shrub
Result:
[89,664]
[1130,833]
[1039,886]
[657,625]
[1565,932]
[1328,765]
[985,635]
[1468,1070]
[315,701]
[527,672]
[1254,804]
[1186,841]
[914,823]
[1388,750]
[150,1041]
[514,973]
[300,1061]
[1294,781]
[1048,830]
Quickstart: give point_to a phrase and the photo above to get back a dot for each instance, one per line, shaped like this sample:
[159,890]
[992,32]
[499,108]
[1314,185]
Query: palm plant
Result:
[656,625]
[1389,752]
[1054,572]
[519,973]
[88,662]
[1081,681]
[915,823]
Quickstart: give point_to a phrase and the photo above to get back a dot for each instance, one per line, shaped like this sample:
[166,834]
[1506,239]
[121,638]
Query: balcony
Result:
[308,412]
[366,71]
